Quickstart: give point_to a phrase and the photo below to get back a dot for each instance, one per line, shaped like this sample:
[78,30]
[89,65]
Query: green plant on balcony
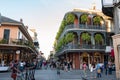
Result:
[62,26]
[97,20]
[84,19]
[86,37]
[60,44]
[70,18]
[69,37]
[19,42]
[63,41]
[3,41]
[98,39]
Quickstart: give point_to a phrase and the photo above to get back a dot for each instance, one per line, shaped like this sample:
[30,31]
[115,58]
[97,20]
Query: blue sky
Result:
[43,15]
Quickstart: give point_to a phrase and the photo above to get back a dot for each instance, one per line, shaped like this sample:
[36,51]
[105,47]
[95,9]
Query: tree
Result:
[65,40]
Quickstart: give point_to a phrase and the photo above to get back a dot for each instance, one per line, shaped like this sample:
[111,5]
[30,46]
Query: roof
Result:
[7,20]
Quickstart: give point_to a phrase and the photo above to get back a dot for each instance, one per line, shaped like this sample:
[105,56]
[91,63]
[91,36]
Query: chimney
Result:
[21,20]
[93,6]
[26,27]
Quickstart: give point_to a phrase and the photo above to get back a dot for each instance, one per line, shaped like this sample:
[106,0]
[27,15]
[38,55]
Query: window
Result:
[6,34]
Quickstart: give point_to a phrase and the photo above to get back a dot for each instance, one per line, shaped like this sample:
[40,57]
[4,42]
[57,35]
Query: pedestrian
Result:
[65,66]
[68,65]
[84,69]
[110,67]
[58,67]
[99,73]
[98,70]
[71,65]
[106,69]
[21,65]
[91,68]
[15,70]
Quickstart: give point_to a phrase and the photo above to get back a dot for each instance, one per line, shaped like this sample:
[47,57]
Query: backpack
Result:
[98,71]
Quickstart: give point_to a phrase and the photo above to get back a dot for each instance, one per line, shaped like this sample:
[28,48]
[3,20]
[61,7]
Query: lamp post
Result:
[17,54]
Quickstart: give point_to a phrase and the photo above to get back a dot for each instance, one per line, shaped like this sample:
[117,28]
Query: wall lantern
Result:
[18,52]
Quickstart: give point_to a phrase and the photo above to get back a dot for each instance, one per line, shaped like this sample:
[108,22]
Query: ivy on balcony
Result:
[69,37]
[69,19]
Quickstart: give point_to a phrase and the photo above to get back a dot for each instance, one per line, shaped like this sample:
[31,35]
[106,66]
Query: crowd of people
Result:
[18,67]
[99,68]
[63,65]
[66,65]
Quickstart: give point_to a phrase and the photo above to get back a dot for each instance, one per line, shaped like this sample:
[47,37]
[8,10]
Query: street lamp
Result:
[18,52]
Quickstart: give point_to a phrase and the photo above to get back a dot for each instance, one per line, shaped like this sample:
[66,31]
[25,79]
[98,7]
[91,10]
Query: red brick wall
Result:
[77,63]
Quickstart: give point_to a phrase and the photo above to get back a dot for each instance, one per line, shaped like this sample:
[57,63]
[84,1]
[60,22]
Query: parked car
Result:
[4,68]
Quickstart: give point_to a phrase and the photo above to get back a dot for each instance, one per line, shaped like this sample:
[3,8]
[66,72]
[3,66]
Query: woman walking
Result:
[14,70]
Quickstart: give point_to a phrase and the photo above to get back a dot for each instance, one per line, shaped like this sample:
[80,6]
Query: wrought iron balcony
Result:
[83,27]
[81,47]
[19,42]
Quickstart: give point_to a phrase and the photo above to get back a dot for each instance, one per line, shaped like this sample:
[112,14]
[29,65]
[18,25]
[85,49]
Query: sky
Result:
[43,15]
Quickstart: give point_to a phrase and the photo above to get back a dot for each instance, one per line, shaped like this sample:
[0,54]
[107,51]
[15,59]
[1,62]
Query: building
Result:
[83,37]
[15,41]
[34,36]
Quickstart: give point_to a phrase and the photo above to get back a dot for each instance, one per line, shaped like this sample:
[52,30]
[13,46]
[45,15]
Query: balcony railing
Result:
[81,26]
[16,42]
[81,47]
[96,27]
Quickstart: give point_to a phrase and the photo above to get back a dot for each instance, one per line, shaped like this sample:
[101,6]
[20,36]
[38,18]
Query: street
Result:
[52,75]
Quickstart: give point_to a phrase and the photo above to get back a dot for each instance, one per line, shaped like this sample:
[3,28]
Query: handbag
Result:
[13,75]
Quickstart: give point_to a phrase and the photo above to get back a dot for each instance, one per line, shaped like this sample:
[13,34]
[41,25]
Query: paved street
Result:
[51,75]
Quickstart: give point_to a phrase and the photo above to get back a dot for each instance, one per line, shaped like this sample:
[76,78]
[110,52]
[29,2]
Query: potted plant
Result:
[84,19]
[3,41]
[70,18]
[98,39]
[96,20]
[69,37]
[86,37]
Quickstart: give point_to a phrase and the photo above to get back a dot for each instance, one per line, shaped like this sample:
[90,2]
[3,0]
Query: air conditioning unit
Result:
[107,3]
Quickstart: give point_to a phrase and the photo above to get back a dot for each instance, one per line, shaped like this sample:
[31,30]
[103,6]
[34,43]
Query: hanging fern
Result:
[98,38]
[84,18]
[69,37]
[86,37]
[97,20]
